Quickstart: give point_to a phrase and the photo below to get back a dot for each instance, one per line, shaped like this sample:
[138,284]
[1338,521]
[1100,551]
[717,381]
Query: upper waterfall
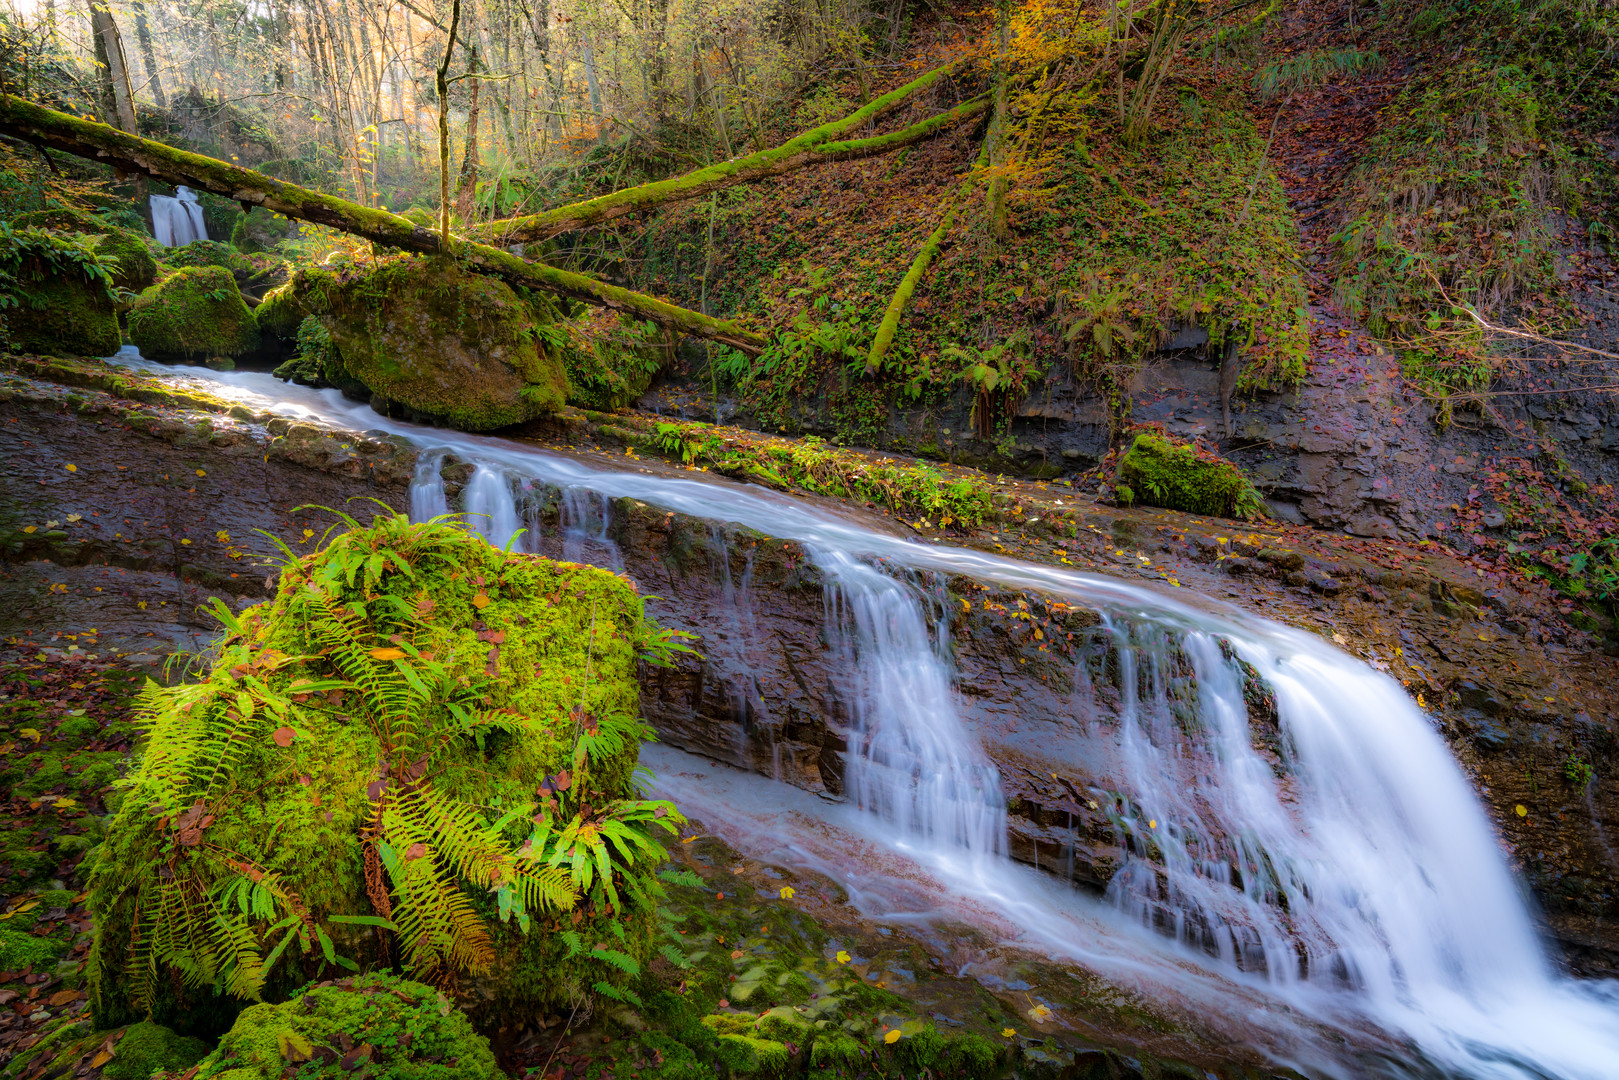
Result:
[177,219]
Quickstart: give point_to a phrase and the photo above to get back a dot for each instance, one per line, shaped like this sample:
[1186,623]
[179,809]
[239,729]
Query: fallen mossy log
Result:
[813,147]
[47,128]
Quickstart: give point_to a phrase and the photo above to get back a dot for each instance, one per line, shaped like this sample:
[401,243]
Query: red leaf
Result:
[283,737]
[416,850]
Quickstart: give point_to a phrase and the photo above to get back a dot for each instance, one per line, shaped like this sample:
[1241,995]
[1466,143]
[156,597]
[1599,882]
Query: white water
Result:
[177,219]
[1372,889]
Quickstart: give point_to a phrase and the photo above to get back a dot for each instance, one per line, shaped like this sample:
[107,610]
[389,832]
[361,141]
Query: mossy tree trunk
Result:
[822,144]
[98,142]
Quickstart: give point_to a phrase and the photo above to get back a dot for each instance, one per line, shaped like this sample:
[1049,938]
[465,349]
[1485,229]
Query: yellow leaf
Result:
[185,543]
[75,517]
[387,654]
[101,1058]
[71,468]
[842,957]
[308,533]
[480,601]
[201,473]
[1152,824]
[29,733]
[222,536]
[786,892]
[67,804]
[1522,810]
[687,839]
[30,528]
[1040,1014]
[892,1037]
[1008,1032]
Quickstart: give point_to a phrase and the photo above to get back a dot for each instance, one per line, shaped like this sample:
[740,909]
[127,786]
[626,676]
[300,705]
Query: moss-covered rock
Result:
[440,341]
[18,949]
[1158,472]
[126,253]
[145,1048]
[390,762]
[280,314]
[387,1026]
[55,295]
[259,230]
[193,314]
[610,361]
[209,253]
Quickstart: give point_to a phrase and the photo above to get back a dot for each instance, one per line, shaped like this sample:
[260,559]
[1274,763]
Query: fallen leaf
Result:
[64,997]
[71,468]
[892,1037]
[101,1058]
[1039,1014]
[1522,810]
[786,892]
[201,473]
[1008,1032]
[75,517]
[416,851]
[724,1004]
[480,601]
[736,954]
[283,737]
[387,654]
[842,957]
[29,733]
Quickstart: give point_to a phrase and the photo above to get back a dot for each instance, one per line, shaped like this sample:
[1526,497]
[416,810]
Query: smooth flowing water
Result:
[177,219]
[1335,872]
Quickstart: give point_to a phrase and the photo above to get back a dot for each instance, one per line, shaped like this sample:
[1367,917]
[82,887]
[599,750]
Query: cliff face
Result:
[1526,704]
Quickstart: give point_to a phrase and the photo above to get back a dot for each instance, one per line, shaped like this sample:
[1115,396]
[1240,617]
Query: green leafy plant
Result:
[375,659]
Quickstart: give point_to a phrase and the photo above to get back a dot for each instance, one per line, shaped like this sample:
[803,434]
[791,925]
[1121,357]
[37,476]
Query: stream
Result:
[1350,914]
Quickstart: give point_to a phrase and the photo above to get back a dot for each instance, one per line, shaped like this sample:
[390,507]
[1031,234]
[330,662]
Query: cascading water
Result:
[911,762]
[177,219]
[1342,871]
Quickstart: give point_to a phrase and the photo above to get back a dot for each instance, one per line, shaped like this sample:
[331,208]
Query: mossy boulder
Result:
[259,230]
[59,288]
[610,359]
[126,253]
[280,314]
[390,762]
[444,343]
[193,314]
[209,253]
[381,1024]
[1158,472]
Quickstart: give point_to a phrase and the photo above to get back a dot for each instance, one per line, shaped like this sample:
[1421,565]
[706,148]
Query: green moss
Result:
[316,361]
[201,253]
[1160,473]
[747,1056]
[193,314]
[147,1047]
[301,791]
[412,1031]
[258,230]
[610,362]
[280,313]
[439,340]
[127,253]
[55,294]
[19,949]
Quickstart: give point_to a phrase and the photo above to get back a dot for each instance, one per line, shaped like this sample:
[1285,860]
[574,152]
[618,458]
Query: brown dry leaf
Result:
[283,737]
[64,997]
[480,601]
[416,851]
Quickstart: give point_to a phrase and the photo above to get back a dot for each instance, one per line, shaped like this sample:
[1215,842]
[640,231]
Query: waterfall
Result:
[1294,833]
[911,762]
[177,219]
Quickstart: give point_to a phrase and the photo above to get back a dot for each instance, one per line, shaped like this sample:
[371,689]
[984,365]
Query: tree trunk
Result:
[98,142]
[143,34]
[810,148]
[441,84]
[467,189]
